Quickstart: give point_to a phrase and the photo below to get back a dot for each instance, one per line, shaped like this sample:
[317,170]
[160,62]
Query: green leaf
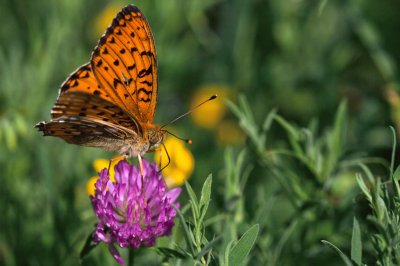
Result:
[343,256]
[356,244]
[321,6]
[393,150]
[88,247]
[208,247]
[396,174]
[194,202]
[335,140]
[9,135]
[294,137]
[269,119]
[292,131]
[363,187]
[20,124]
[205,197]
[340,122]
[188,235]
[234,108]
[241,249]
[368,173]
[169,252]
[284,239]
[228,251]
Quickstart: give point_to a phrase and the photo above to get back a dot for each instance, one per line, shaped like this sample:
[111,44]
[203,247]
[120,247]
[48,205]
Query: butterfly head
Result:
[156,136]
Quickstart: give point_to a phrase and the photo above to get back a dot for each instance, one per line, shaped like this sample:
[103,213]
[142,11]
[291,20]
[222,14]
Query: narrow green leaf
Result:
[88,247]
[20,124]
[246,108]
[367,172]
[356,244]
[321,6]
[206,191]
[208,247]
[285,237]
[269,119]
[194,200]
[187,234]
[396,175]
[228,251]
[205,197]
[169,252]
[241,249]
[9,135]
[234,108]
[343,256]
[363,187]
[292,131]
[340,122]
[393,150]
[335,140]
[294,137]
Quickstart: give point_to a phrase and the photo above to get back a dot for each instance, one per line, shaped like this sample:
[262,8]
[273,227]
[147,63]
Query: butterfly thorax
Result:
[139,145]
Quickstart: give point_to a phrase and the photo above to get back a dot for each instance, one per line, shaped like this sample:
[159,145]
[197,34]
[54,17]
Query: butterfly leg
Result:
[117,158]
[155,150]
[169,158]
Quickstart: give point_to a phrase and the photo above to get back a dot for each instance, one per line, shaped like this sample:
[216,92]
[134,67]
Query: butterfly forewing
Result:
[110,102]
[83,116]
[83,80]
[125,61]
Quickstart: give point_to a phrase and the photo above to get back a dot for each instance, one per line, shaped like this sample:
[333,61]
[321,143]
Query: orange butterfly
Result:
[110,102]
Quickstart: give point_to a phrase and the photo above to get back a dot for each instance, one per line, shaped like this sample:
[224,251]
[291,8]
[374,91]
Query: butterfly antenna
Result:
[188,112]
[188,141]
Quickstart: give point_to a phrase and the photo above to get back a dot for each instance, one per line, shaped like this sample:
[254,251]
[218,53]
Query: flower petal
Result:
[114,252]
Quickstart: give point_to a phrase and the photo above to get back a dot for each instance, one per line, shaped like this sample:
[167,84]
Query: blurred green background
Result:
[301,57]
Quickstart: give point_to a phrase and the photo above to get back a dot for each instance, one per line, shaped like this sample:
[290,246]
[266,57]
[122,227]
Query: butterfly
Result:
[110,102]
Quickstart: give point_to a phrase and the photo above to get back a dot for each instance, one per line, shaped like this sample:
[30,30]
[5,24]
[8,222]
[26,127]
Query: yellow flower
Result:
[181,165]
[106,16]
[99,165]
[210,114]
[90,185]
[229,133]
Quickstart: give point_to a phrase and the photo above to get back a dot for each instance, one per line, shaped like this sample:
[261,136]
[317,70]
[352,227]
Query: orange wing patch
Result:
[83,80]
[124,62]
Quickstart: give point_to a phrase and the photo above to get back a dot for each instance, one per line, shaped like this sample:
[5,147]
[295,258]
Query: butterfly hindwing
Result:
[89,107]
[82,117]
[76,130]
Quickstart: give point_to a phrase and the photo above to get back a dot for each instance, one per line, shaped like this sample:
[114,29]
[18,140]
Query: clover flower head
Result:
[133,211]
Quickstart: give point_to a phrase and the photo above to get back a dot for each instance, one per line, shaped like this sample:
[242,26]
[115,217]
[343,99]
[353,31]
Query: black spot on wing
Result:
[116,82]
[149,83]
[145,72]
[144,91]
